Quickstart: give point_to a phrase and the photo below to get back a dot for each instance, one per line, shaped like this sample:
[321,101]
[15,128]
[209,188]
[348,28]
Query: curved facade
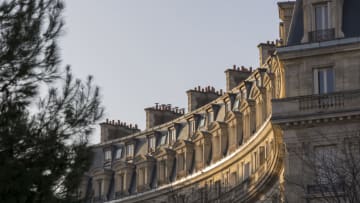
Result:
[255,141]
[223,150]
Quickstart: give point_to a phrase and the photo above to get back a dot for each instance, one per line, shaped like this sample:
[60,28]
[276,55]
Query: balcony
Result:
[316,106]
[322,35]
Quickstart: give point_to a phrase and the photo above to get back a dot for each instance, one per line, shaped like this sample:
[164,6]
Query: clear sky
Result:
[146,51]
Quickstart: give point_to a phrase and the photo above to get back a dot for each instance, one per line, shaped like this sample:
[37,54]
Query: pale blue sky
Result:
[146,51]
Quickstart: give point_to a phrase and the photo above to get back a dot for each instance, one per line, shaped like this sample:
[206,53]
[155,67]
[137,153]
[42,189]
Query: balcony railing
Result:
[315,105]
[329,101]
[322,35]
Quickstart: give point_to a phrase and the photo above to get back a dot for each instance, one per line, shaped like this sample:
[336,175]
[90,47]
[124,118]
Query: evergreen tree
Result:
[43,139]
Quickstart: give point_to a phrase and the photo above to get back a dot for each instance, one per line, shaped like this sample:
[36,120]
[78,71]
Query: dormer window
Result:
[202,121]
[172,135]
[108,155]
[152,143]
[210,116]
[228,106]
[321,16]
[118,154]
[322,29]
[236,104]
[130,150]
[192,127]
[163,140]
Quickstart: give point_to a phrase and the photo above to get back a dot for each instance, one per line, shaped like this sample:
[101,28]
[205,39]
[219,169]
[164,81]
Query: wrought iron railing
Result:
[322,35]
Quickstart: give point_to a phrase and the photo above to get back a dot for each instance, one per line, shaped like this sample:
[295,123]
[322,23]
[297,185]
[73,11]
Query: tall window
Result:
[172,136]
[118,153]
[121,182]
[181,162]
[130,150]
[163,140]
[100,188]
[152,143]
[325,164]
[246,170]
[262,155]
[321,16]
[142,176]
[108,155]
[210,116]
[162,172]
[323,80]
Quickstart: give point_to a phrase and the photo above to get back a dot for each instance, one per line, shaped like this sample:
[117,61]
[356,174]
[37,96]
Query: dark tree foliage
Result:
[43,139]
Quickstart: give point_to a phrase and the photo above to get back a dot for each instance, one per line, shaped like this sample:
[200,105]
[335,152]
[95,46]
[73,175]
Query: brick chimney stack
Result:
[116,129]
[236,75]
[162,113]
[199,96]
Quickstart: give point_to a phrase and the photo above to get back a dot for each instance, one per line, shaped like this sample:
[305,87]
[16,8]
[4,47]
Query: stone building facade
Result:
[257,141]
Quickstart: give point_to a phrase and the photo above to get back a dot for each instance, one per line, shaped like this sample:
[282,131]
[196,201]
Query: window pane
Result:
[330,80]
[321,81]
[321,17]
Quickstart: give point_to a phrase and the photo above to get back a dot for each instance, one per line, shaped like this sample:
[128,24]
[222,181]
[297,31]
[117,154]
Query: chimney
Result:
[285,13]
[161,113]
[200,96]
[116,129]
[235,76]
[265,51]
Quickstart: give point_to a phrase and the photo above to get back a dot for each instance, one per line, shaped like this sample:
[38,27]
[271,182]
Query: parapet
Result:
[162,113]
[116,129]
[236,75]
[199,96]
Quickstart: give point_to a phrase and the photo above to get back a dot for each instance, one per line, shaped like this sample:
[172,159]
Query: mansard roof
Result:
[350,24]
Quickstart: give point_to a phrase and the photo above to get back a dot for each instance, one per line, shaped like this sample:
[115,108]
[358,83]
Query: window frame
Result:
[326,85]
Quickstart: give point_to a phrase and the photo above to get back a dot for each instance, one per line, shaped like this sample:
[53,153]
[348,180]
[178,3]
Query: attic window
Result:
[107,155]
[322,25]
[210,116]
[202,121]
[172,136]
[130,150]
[152,143]
[236,104]
[118,153]
[163,140]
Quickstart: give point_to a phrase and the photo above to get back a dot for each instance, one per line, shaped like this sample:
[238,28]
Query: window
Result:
[255,161]
[121,182]
[228,106]
[210,116]
[162,171]
[246,170]
[181,162]
[118,153]
[262,155]
[325,164]
[99,188]
[107,155]
[172,136]
[323,80]
[321,16]
[236,104]
[130,150]
[192,127]
[202,121]
[152,143]
[142,176]
[163,140]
